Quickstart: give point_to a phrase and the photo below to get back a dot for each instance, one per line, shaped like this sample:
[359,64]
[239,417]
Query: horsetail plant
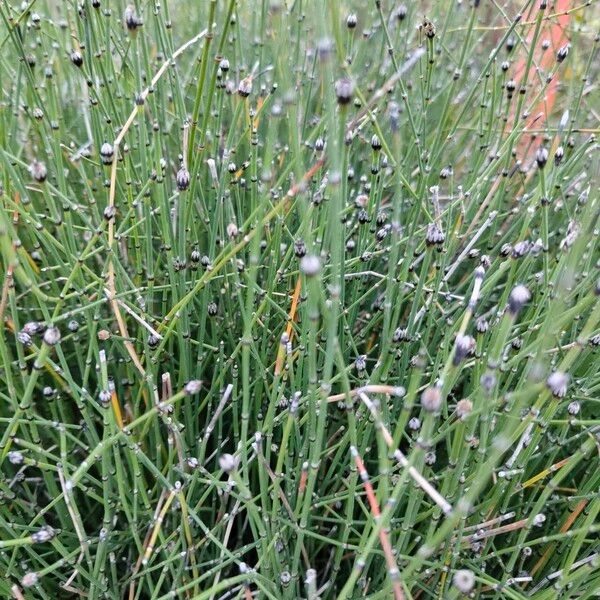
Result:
[299,299]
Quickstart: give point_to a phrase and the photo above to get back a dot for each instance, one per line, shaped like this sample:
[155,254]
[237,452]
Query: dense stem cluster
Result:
[299,299]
